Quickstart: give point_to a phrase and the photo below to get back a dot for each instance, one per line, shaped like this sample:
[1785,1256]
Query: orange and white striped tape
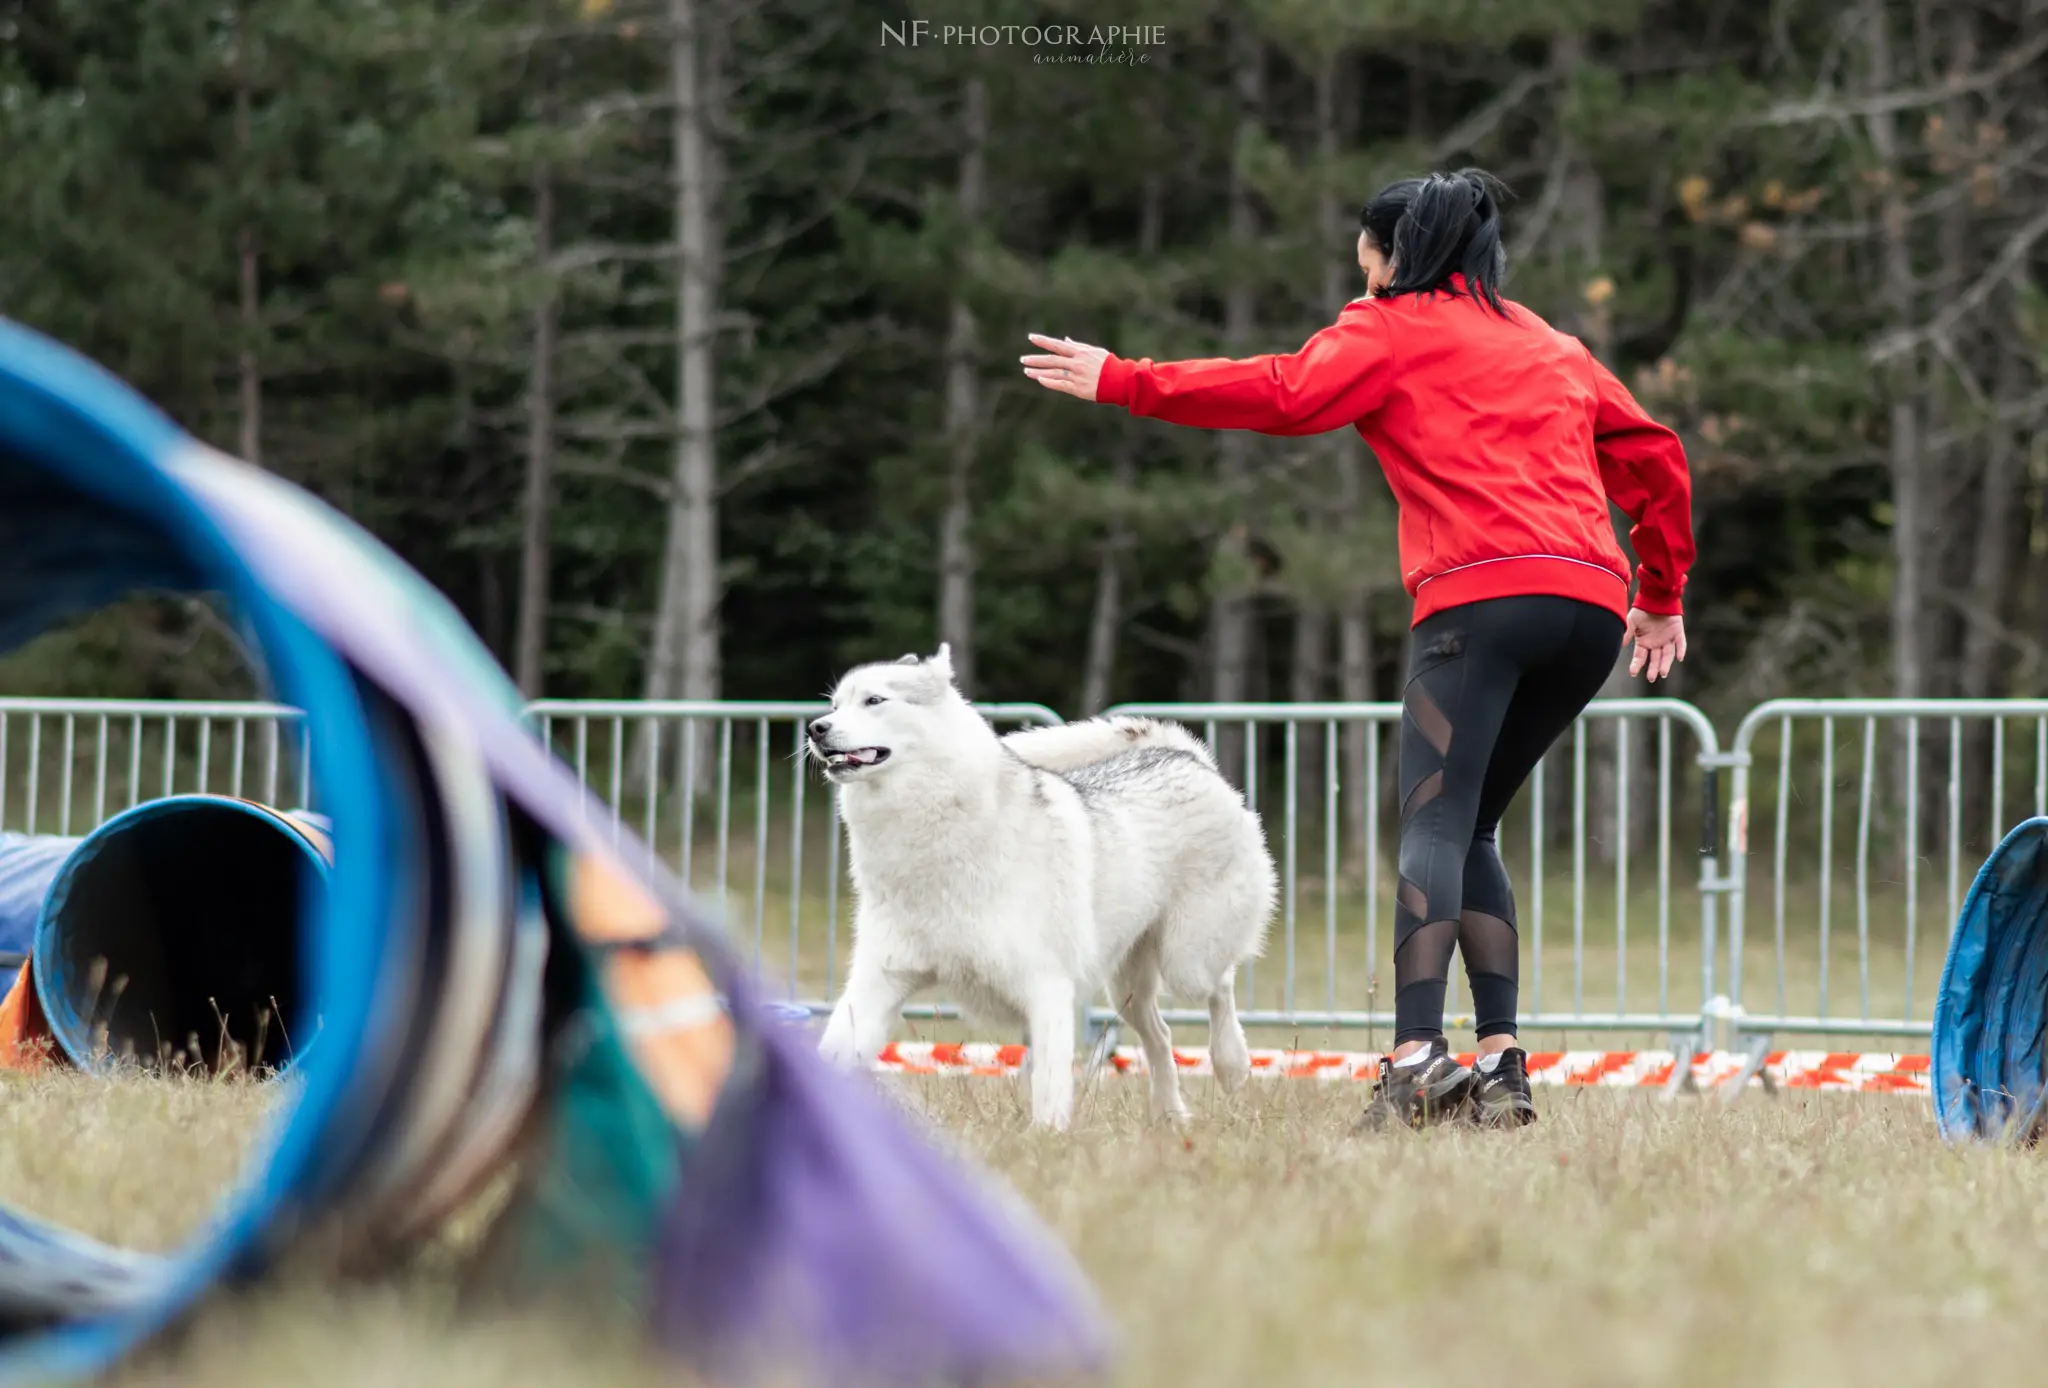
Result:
[1862,1072]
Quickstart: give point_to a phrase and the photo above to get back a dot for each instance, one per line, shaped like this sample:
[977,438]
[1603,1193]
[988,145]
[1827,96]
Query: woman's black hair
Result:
[1432,228]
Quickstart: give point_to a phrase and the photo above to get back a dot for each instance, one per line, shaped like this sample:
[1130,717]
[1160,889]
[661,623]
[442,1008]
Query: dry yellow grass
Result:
[1800,1240]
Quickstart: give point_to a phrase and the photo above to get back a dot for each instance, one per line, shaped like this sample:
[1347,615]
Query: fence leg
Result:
[1685,1045]
[1752,1068]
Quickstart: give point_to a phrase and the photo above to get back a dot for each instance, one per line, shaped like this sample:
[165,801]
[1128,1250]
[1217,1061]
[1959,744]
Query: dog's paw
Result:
[1171,1112]
[1231,1060]
[1232,1072]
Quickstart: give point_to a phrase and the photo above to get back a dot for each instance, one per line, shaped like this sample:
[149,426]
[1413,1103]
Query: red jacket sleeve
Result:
[1642,467]
[1338,377]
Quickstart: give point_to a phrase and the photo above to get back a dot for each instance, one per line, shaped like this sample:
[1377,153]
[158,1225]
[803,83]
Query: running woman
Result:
[1503,441]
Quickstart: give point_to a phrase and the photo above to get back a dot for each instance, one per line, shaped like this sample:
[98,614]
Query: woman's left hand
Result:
[1660,643]
[1070,367]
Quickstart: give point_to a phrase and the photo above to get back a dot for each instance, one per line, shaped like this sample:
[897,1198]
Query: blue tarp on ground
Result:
[1992,1007]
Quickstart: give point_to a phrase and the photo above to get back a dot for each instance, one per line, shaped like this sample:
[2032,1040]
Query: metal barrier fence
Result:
[1926,785]
[1874,814]
[126,751]
[1597,825]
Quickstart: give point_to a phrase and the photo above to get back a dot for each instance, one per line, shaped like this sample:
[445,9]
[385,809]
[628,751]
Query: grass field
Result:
[1800,1240]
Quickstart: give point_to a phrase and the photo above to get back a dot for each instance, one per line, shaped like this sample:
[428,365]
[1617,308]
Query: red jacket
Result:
[1503,441]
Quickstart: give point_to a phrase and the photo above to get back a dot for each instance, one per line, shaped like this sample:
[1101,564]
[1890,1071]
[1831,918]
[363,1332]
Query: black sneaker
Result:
[1501,1098]
[1415,1096]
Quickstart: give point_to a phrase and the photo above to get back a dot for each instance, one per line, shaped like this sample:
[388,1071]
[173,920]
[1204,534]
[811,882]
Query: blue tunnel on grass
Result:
[1991,1010]
[174,927]
[491,980]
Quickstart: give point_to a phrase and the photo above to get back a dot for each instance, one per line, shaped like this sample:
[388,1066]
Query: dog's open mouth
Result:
[853,758]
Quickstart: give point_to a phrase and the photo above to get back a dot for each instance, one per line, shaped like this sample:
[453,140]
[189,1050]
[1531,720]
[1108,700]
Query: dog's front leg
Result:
[1049,1015]
[859,1025]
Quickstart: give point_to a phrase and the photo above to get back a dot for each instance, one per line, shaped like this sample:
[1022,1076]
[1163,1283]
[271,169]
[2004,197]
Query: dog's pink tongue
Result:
[861,756]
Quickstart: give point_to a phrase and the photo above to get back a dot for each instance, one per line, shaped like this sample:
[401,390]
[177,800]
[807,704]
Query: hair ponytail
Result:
[1443,225]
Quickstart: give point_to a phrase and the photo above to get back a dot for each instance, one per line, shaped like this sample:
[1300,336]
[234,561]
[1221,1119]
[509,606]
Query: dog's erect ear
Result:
[942,663]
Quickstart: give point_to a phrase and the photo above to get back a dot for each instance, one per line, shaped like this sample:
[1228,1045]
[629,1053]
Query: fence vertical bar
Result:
[205,753]
[272,738]
[1330,864]
[238,756]
[1827,850]
[1623,828]
[761,797]
[1863,862]
[617,798]
[583,762]
[1291,742]
[1664,864]
[1955,818]
[35,768]
[1536,799]
[832,894]
[725,818]
[1912,850]
[1251,800]
[70,759]
[99,775]
[1781,832]
[686,751]
[650,814]
[796,851]
[1997,782]
[1578,869]
[134,761]
[1371,819]
[2040,764]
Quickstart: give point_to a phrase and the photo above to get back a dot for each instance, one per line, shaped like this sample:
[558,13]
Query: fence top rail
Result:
[1382,711]
[149,708]
[743,709]
[1775,710]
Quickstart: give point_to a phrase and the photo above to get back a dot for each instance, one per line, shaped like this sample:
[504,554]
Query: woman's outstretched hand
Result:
[1070,367]
[1660,643]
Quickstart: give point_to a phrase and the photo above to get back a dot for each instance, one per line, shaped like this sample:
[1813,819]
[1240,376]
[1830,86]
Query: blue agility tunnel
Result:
[170,934]
[1992,1007]
[491,981]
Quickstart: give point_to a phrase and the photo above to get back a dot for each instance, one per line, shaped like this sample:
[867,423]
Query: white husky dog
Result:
[1024,873]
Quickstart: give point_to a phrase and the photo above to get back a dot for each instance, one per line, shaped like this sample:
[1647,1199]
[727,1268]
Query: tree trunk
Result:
[1309,666]
[534,547]
[1910,567]
[1107,614]
[1350,466]
[1582,242]
[1955,544]
[249,377]
[956,538]
[1231,607]
[684,660]
[1909,548]
[1106,619]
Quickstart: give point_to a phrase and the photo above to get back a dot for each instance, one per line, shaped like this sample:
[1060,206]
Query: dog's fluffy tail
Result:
[1071,746]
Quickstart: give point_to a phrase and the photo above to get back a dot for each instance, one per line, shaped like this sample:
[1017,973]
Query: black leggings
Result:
[1491,686]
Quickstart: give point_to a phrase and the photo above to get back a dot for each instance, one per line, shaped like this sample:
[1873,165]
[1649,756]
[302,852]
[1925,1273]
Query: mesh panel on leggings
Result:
[1422,963]
[1491,952]
[1423,946]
